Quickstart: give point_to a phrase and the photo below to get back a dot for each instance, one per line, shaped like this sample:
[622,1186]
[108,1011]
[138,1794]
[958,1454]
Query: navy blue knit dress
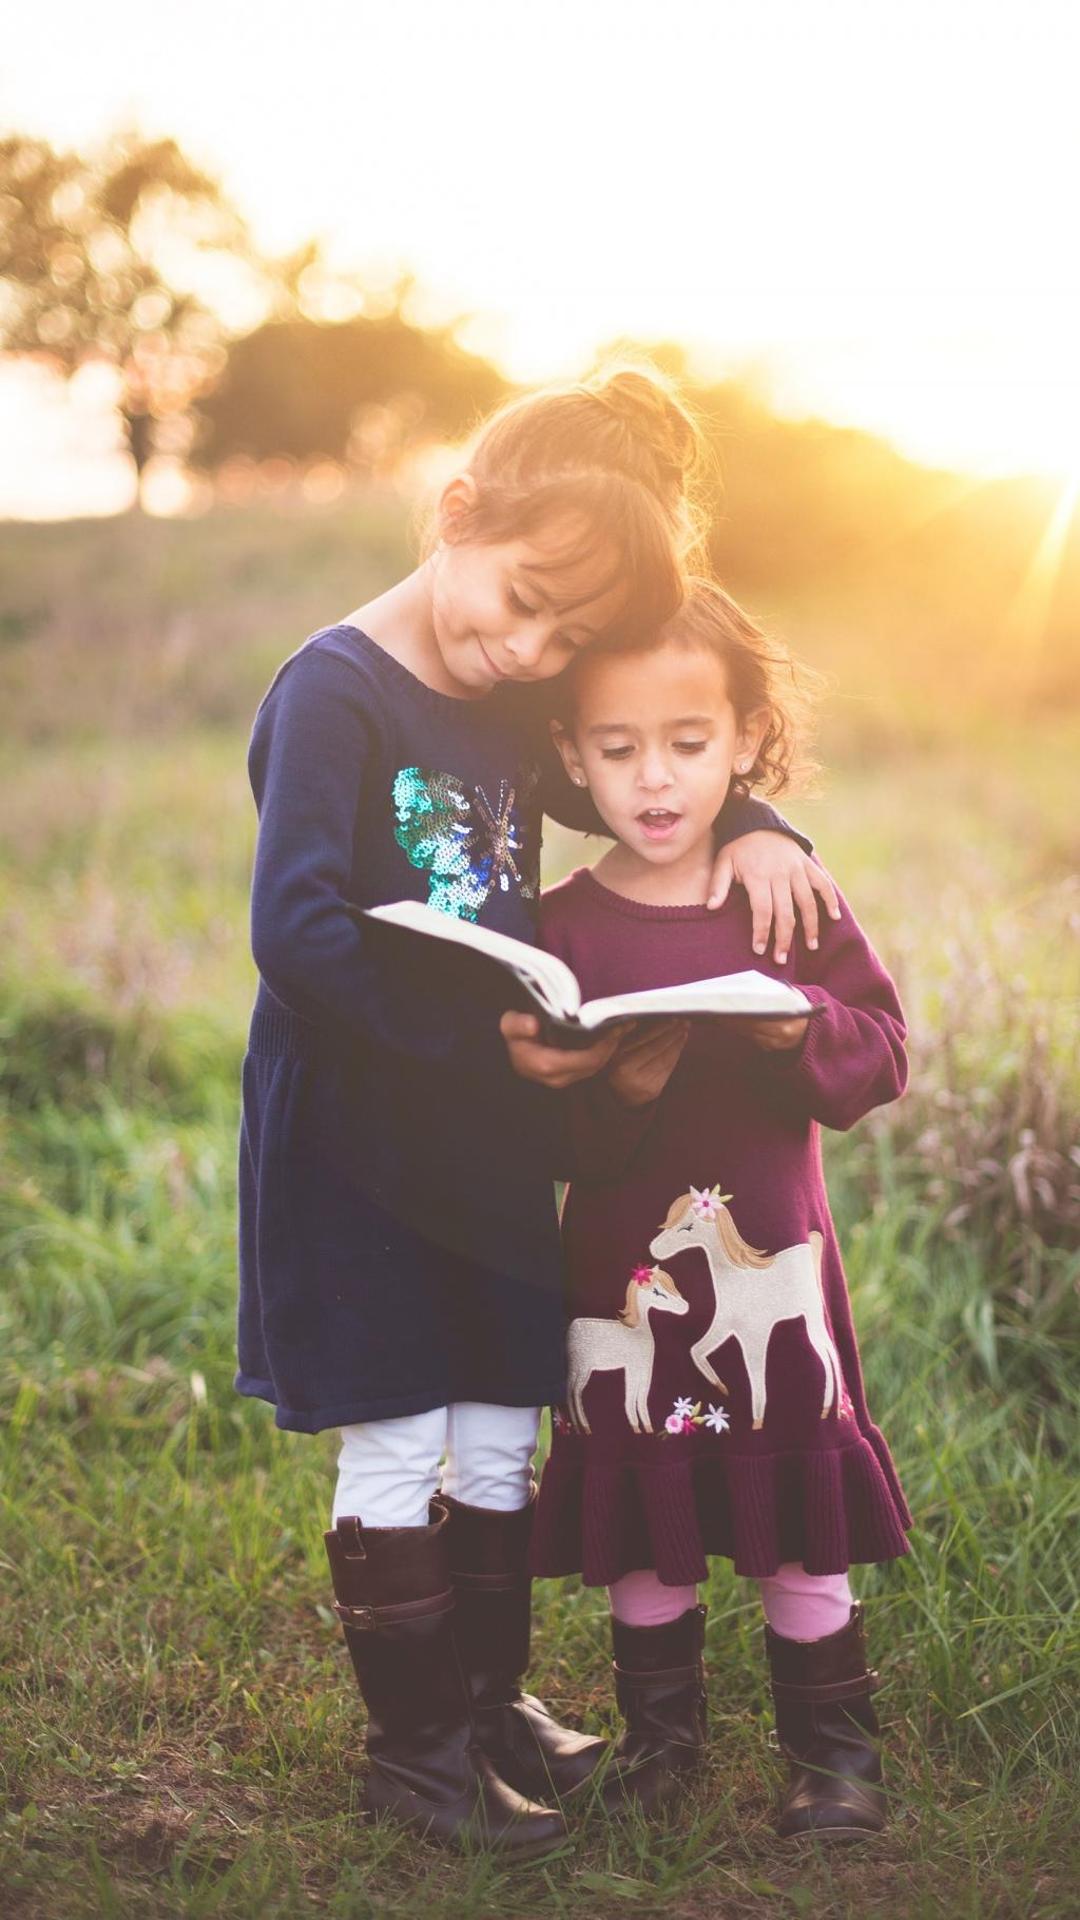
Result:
[398,1241]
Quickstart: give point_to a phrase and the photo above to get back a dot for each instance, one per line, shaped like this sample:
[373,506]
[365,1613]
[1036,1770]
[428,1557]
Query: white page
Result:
[749,993]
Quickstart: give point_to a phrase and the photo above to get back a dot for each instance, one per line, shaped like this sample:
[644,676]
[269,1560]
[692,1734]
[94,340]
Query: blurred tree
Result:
[94,254]
[799,499]
[359,391]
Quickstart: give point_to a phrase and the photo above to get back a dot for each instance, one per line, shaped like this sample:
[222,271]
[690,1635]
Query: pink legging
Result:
[798,1605]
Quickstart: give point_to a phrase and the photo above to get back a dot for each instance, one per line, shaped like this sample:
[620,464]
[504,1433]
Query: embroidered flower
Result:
[643,1276]
[685,1415]
[706,1202]
[703,1202]
[559,1421]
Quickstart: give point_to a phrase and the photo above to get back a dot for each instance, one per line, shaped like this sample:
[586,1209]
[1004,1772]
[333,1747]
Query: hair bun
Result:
[646,403]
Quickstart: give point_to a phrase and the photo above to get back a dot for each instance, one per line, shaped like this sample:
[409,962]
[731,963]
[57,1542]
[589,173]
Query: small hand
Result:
[775,1036]
[778,877]
[555,1067]
[645,1062]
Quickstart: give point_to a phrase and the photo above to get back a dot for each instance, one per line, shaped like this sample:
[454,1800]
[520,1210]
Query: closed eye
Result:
[518,605]
[615,753]
[690,746]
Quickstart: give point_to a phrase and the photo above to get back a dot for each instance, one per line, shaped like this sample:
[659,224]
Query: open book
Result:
[551,988]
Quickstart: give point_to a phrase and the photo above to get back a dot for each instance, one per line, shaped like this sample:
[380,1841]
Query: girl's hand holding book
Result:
[555,1067]
[775,1036]
[645,1062]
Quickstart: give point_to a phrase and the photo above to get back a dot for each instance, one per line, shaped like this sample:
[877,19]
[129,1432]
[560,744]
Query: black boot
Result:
[395,1603]
[828,1730]
[492,1619]
[660,1688]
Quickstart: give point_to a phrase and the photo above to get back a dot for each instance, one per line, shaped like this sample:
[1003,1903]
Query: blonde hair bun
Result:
[648,406]
[604,462]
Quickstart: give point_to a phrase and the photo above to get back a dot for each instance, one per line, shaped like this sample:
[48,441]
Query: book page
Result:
[749,993]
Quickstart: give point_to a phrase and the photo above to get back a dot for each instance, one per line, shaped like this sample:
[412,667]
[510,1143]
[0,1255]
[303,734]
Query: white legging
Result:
[389,1469]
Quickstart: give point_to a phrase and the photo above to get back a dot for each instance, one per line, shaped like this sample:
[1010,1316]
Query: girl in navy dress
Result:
[715,1401]
[399,1254]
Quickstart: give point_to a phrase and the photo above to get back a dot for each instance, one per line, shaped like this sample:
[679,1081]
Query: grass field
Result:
[178,1731]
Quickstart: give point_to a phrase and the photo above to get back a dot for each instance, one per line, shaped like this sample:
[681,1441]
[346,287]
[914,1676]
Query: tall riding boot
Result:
[492,1619]
[660,1688]
[828,1730]
[395,1603]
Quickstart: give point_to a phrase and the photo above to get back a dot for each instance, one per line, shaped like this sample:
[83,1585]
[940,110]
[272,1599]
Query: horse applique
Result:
[626,1344]
[753,1291]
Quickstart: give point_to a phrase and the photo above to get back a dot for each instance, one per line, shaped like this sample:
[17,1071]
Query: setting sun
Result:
[865,217]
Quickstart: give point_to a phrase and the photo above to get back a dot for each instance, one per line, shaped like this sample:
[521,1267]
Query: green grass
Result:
[179,1732]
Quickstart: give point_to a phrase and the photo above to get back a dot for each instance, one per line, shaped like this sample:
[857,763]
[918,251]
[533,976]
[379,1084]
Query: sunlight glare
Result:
[1027,618]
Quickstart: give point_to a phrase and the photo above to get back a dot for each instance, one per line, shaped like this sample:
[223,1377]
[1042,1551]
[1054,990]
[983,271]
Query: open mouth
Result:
[658,822]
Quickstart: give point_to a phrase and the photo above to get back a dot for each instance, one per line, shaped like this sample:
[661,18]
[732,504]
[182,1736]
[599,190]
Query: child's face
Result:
[656,740]
[495,618]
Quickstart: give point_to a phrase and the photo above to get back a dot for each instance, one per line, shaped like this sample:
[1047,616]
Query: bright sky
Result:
[874,207]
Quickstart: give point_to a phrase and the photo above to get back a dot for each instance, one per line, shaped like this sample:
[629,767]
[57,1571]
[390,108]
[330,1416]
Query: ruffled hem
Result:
[603,1517]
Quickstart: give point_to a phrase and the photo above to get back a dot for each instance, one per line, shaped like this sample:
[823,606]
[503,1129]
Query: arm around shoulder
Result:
[741,813]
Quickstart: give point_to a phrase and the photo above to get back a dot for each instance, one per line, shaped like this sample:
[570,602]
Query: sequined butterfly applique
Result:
[469,843]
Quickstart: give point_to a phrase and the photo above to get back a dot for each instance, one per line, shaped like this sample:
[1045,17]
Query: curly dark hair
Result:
[763,675]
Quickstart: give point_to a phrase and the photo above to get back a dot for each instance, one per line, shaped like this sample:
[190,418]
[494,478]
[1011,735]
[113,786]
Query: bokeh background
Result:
[260,273]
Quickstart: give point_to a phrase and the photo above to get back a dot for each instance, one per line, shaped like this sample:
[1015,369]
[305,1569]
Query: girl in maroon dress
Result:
[715,1401]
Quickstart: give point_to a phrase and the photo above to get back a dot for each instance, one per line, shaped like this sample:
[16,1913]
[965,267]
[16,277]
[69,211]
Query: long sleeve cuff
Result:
[849,1061]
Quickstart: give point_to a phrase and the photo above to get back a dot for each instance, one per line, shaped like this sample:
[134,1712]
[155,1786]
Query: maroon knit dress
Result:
[715,1399]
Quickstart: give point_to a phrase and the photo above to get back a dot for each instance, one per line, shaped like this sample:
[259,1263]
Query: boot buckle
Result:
[367,1618]
[362,1617]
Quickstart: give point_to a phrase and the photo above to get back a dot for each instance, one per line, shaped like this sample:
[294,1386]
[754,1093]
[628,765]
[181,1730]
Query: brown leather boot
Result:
[492,1621]
[828,1730]
[660,1688]
[395,1603]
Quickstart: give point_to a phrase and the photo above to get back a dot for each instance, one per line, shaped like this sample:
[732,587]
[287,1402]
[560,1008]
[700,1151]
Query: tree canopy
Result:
[357,391]
[94,254]
[101,258]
